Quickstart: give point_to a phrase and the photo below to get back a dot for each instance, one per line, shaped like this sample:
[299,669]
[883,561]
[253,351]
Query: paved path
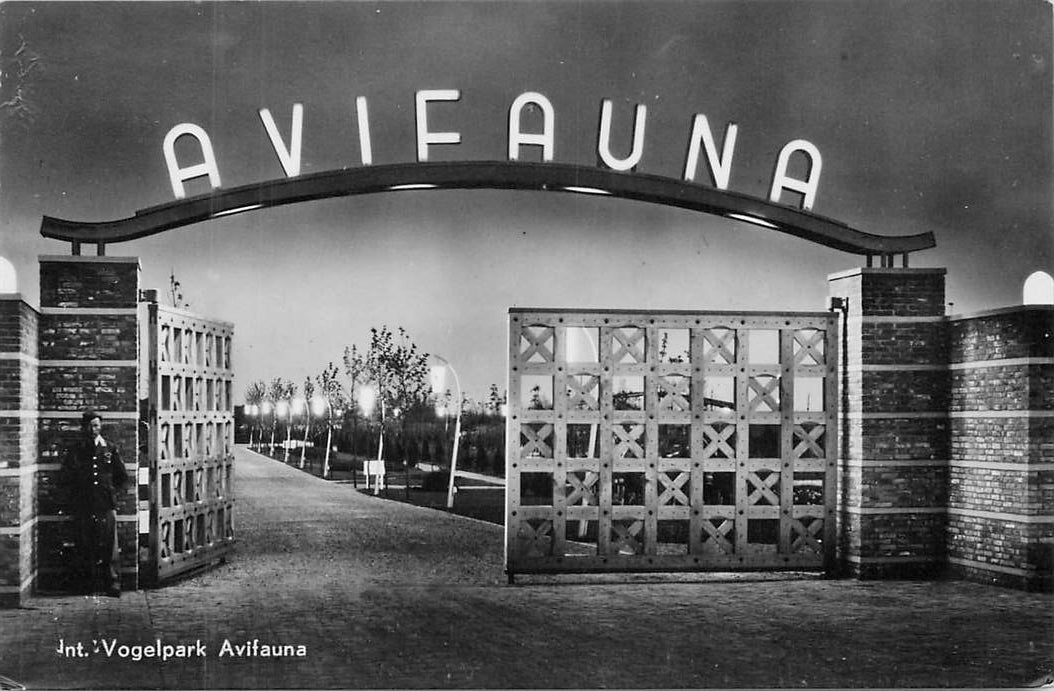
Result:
[385,595]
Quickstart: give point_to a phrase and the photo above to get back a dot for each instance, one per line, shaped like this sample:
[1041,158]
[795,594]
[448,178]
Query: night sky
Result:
[931,116]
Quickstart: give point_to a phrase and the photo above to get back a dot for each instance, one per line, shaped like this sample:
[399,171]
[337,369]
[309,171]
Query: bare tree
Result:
[398,369]
[309,392]
[254,396]
[355,370]
[495,400]
[400,373]
[331,390]
[278,390]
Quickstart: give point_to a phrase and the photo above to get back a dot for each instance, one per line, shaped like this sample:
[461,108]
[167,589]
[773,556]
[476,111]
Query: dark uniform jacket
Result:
[94,475]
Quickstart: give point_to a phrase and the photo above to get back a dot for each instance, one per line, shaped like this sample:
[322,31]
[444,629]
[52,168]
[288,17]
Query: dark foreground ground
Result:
[383,594]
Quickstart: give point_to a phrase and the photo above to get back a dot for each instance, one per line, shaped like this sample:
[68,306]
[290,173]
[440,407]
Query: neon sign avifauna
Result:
[708,155]
[700,140]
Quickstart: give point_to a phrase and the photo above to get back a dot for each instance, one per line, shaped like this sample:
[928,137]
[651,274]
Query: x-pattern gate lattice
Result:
[190,447]
[670,441]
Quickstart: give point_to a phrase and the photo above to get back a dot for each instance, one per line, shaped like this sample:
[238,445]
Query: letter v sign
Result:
[289,158]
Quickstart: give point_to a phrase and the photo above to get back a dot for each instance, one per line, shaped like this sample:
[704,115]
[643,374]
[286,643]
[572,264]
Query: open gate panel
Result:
[670,441]
[190,421]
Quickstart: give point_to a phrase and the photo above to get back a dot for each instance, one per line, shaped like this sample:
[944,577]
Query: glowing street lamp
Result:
[267,408]
[8,277]
[258,416]
[441,412]
[259,427]
[321,405]
[367,400]
[1038,289]
[437,378]
[283,409]
[250,412]
[300,408]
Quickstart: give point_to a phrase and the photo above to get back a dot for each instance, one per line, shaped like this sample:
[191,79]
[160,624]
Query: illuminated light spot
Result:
[746,218]
[8,277]
[586,190]
[238,210]
[413,186]
[1038,289]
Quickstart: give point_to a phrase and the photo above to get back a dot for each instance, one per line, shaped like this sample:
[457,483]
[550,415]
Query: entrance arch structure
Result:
[906,429]
[693,476]
[548,177]
[915,471]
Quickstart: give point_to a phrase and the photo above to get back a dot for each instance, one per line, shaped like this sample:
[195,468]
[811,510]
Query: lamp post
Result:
[258,424]
[396,412]
[300,408]
[437,377]
[283,409]
[442,412]
[318,404]
[367,399]
[250,412]
[268,408]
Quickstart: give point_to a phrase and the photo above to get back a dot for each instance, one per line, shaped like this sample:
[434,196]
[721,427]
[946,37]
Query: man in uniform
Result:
[95,477]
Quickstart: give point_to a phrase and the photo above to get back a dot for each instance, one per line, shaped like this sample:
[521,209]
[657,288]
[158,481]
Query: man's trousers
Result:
[98,552]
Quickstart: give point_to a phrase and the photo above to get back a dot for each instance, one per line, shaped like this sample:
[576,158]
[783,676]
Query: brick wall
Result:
[1001,498]
[70,336]
[18,449]
[96,283]
[72,389]
[894,421]
[89,355]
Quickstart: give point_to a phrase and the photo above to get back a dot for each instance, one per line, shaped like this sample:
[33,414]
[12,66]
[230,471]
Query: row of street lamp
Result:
[287,409]
[367,400]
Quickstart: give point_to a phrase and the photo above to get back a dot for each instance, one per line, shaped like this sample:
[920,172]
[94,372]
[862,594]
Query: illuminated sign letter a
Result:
[207,167]
[518,138]
[807,187]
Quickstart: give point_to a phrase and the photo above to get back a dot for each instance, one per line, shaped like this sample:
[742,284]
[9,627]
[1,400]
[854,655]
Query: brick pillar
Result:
[88,358]
[894,422]
[18,449]
[1001,504]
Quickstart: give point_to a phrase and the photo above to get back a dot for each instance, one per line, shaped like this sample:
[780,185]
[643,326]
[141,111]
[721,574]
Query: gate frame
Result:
[211,498]
[558,514]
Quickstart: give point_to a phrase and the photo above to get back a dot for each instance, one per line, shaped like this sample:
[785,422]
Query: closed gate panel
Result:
[642,441]
[191,440]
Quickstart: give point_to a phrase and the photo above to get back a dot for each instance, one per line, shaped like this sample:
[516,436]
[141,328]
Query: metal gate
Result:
[670,441]
[190,433]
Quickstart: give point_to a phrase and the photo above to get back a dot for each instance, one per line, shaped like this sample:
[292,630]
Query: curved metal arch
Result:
[486,175]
